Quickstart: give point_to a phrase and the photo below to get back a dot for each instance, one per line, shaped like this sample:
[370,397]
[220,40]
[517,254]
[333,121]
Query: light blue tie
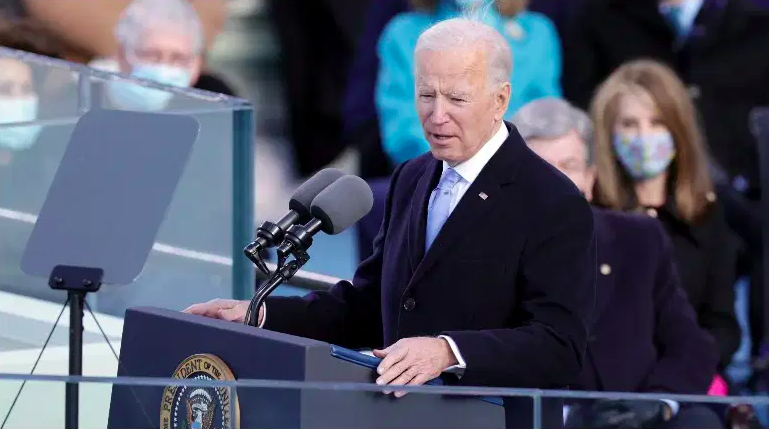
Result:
[440,204]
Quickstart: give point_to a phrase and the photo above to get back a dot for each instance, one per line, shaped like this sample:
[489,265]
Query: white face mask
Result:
[16,110]
[136,97]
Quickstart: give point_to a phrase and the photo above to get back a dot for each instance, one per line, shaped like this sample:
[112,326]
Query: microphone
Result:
[334,209]
[271,234]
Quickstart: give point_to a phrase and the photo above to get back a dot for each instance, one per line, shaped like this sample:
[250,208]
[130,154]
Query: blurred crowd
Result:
[662,93]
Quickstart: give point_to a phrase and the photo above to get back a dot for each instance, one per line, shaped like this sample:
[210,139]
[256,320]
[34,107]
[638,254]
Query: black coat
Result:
[510,277]
[645,337]
[724,62]
[705,254]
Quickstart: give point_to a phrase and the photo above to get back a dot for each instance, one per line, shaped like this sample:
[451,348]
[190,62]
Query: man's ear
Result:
[502,100]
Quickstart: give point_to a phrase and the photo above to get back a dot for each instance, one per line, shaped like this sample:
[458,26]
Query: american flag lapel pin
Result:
[483,196]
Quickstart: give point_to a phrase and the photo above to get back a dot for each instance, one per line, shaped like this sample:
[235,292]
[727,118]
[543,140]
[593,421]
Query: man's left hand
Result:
[413,361]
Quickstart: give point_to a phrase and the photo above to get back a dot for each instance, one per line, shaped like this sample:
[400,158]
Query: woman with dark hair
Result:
[19,100]
[651,157]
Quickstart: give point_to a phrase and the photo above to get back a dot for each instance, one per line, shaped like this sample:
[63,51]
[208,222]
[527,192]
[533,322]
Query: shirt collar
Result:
[470,169]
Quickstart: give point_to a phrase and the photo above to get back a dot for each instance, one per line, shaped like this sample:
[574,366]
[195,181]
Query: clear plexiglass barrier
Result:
[198,251]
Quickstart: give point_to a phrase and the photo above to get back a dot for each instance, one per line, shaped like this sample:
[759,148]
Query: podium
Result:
[164,343]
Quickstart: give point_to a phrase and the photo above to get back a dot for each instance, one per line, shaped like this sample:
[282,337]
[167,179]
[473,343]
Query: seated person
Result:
[645,336]
[159,41]
[651,158]
[536,64]
[19,100]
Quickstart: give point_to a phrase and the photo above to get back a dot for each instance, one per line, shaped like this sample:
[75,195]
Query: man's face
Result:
[169,49]
[457,107]
[568,154]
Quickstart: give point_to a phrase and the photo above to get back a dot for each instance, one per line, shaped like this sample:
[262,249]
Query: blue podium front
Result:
[164,343]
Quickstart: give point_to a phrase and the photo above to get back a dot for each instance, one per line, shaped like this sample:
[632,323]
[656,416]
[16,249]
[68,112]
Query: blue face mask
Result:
[16,110]
[646,155]
[136,97]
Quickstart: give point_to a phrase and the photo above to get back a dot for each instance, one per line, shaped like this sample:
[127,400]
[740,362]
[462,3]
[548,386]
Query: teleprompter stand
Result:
[103,211]
[77,281]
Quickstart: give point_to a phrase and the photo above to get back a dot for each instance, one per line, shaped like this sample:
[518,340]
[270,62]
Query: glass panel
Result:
[211,212]
[205,403]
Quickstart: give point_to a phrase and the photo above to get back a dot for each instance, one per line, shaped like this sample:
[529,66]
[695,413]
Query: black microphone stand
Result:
[266,236]
[284,272]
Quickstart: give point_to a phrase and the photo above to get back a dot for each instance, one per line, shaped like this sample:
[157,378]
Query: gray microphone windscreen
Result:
[302,198]
[342,204]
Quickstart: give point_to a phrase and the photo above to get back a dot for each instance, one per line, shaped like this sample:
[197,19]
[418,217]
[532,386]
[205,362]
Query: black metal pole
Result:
[76,303]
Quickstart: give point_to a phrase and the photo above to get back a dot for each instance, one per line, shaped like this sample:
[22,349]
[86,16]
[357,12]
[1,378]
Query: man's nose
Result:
[440,113]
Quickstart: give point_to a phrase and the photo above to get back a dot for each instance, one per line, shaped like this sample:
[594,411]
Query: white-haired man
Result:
[158,40]
[485,261]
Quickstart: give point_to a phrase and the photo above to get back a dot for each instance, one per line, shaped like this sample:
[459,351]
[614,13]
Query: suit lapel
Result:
[418,216]
[471,208]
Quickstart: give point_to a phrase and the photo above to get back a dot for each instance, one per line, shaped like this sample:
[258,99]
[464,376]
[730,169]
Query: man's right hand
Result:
[230,310]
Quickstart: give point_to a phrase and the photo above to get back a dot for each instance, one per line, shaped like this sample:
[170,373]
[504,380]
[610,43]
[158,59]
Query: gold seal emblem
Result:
[186,407]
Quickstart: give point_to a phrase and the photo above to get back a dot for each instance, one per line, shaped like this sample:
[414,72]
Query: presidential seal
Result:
[186,407]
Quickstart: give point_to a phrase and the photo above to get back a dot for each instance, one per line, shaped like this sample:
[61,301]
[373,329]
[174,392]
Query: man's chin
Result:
[443,154]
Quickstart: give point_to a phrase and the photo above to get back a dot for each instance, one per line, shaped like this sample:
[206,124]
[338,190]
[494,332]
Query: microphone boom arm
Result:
[281,275]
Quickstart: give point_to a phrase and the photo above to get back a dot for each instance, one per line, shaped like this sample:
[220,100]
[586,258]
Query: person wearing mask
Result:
[718,49]
[29,153]
[650,158]
[19,100]
[161,41]
[19,103]
[645,337]
[725,85]
[531,37]
[87,27]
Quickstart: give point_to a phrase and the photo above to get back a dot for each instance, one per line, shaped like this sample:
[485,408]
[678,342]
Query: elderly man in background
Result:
[462,277]
[161,41]
[645,336]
